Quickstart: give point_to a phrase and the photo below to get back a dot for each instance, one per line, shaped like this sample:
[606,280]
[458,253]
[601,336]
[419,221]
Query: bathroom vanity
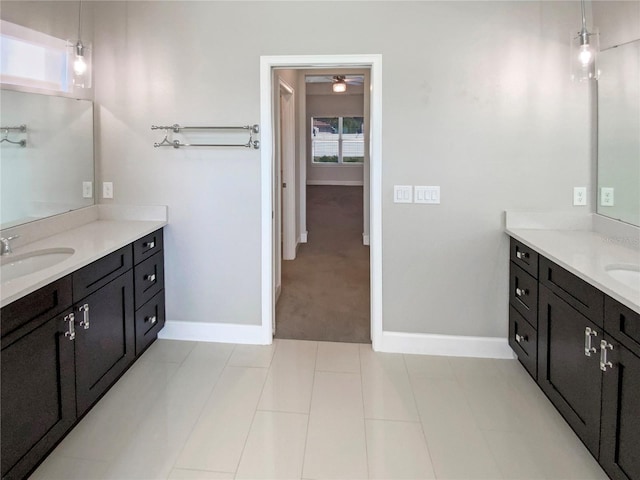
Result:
[71,330]
[576,330]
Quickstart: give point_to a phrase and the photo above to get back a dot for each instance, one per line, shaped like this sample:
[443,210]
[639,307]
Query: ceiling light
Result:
[584,48]
[81,60]
[339,85]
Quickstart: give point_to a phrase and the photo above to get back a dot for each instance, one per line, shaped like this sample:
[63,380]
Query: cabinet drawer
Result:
[96,275]
[524,257]
[622,323]
[37,307]
[149,321]
[147,246]
[149,278]
[523,294]
[523,339]
[585,298]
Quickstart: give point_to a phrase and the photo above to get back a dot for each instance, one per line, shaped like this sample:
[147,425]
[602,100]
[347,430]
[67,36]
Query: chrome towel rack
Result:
[176,128]
[5,135]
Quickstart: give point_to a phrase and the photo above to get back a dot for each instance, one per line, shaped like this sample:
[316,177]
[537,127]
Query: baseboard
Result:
[345,183]
[212,332]
[365,239]
[445,345]
[303,237]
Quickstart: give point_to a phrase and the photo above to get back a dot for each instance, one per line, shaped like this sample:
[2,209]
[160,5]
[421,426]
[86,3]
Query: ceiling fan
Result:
[339,82]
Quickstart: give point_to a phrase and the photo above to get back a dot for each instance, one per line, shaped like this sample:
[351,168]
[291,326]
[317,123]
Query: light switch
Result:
[426,194]
[606,197]
[402,194]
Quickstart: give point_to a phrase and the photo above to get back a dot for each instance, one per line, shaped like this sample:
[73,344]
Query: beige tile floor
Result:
[315,410]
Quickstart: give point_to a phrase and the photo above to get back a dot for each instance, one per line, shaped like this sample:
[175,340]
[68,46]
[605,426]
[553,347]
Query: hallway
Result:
[325,290]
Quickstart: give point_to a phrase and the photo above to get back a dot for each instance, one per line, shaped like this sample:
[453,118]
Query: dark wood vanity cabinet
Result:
[38,377]
[588,359]
[64,345]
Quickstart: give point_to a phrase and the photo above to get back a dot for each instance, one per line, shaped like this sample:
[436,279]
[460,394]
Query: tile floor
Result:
[316,410]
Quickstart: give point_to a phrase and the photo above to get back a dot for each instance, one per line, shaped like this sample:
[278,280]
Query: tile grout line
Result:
[415,402]
[364,421]
[213,387]
[313,384]
[255,410]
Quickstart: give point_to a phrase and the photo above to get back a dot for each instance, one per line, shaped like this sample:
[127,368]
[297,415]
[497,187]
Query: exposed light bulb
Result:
[339,86]
[585,55]
[79,65]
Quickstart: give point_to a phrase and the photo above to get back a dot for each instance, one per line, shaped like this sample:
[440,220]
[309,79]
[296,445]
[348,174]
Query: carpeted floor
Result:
[325,290]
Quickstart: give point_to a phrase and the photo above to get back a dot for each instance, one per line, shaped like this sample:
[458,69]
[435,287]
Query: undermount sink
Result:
[628,274]
[15,266]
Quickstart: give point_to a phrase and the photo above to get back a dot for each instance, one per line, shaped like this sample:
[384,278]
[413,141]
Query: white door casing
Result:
[267,64]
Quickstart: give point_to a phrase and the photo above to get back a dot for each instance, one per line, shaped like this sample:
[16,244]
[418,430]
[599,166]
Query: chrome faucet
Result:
[5,248]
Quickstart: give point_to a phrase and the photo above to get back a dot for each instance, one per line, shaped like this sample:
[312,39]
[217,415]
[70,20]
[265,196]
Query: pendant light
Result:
[81,58]
[584,49]
[339,85]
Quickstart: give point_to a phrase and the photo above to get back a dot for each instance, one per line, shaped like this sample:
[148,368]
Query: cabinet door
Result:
[620,438]
[38,394]
[570,378]
[106,348]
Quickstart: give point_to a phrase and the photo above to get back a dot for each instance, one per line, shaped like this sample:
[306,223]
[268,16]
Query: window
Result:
[32,59]
[337,140]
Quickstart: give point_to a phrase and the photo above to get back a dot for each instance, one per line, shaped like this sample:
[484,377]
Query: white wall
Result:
[476,99]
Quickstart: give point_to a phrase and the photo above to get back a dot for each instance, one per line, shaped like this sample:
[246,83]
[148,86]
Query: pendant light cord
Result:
[80,20]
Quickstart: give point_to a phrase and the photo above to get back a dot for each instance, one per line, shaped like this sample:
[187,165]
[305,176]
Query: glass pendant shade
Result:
[584,51]
[80,64]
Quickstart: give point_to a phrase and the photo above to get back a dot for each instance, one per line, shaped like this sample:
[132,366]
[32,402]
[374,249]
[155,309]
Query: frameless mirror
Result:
[619,133]
[47,165]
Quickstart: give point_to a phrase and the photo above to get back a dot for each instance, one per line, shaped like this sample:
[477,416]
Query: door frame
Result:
[267,64]
[288,159]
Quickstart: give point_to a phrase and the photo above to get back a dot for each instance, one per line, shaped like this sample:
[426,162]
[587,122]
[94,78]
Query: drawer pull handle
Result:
[521,338]
[149,245]
[604,363]
[588,349]
[71,333]
[522,255]
[152,320]
[85,316]
[150,278]
[522,292]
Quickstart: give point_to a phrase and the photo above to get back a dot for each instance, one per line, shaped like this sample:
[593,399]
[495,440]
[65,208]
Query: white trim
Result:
[267,64]
[213,332]
[303,237]
[365,239]
[287,158]
[346,183]
[446,345]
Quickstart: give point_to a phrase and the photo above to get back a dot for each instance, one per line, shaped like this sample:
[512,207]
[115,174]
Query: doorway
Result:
[269,175]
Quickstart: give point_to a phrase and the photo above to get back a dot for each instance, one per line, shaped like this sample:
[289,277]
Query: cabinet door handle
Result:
[522,292]
[149,245]
[604,363]
[152,320]
[522,255]
[588,333]
[150,278]
[85,316]
[521,338]
[71,333]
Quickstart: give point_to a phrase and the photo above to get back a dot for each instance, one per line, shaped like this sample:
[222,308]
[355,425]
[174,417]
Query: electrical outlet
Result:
[606,197]
[87,189]
[107,189]
[580,195]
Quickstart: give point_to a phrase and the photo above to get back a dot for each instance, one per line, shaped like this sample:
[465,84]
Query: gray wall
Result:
[476,99]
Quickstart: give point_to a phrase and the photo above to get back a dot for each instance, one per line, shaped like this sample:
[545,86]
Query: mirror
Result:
[47,175]
[619,133]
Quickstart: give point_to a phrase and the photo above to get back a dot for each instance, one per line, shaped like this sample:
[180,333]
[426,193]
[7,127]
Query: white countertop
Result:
[90,241]
[586,253]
